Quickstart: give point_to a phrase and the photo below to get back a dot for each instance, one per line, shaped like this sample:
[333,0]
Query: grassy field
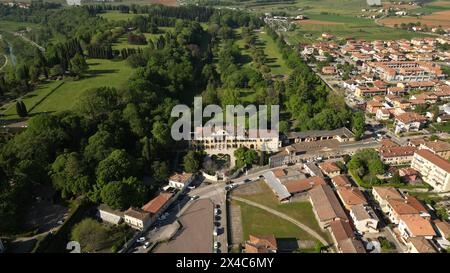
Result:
[301,211]
[14,26]
[348,26]
[101,73]
[117,16]
[275,60]
[256,221]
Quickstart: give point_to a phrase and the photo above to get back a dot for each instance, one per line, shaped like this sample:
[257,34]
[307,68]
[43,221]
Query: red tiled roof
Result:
[157,203]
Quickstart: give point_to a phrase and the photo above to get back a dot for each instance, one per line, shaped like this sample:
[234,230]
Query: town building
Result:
[326,206]
[413,225]
[383,194]
[261,244]
[330,169]
[396,208]
[420,245]
[181,180]
[409,122]
[364,219]
[438,147]
[341,134]
[434,169]
[110,215]
[228,138]
[303,185]
[137,218]
[397,155]
[344,237]
[159,204]
[351,196]
[341,181]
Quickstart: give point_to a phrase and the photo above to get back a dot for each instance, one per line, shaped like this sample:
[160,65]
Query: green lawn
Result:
[101,73]
[14,26]
[275,60]
[256,221]
[301,211]
[117,16]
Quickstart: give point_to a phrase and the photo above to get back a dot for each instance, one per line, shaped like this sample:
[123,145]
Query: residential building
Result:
[364,218]
[405,206]
[409,122]
[443,230]
[383,114]
[326,206]
[434,169]
[351,196]
[110,215]
[383,194]
[328,70]
[159,204]
[261,244]
[420,245]
[408,175]
[344,237]
[137,218]
[438,147]
[397,155]
[181,180]
[330,169]
[341,181]
[414,225]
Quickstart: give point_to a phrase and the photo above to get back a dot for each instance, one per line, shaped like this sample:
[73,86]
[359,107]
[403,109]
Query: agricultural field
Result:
[436,19]
[101,72]
[344,27]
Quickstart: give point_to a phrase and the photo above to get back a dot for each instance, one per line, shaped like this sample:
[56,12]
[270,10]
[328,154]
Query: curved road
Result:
[285,217]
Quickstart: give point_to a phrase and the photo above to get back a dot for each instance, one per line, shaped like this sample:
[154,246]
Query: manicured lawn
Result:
[273,55]
[111,73]
[101,73]
[256,221]
[301,211]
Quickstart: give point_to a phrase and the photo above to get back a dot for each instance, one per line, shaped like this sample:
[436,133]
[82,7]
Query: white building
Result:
[434,169]
[364,219]
[137,218]
[109,215]
[181,180]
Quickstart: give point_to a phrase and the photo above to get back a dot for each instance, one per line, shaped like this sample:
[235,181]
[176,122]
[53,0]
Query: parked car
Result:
[140,240]
[146,245]
[216,211]
[247,180]
[195,197]
[216,245]
[217,206]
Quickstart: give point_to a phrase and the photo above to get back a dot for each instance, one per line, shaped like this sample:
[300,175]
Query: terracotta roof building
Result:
[330,169]
[302,185]
[261,244]
[325,205]
[341,181]
[351,196]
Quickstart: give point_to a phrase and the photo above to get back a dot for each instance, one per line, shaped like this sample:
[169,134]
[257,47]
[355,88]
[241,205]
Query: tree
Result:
[21,109]
[192,161]
[78,65]
[284,127]
[160,171]
[90,234]
[114,168]
[68,175]
[123,194]
[358,124]
[56,70]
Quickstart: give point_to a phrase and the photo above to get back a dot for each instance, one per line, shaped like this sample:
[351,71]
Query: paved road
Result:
[285,217]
